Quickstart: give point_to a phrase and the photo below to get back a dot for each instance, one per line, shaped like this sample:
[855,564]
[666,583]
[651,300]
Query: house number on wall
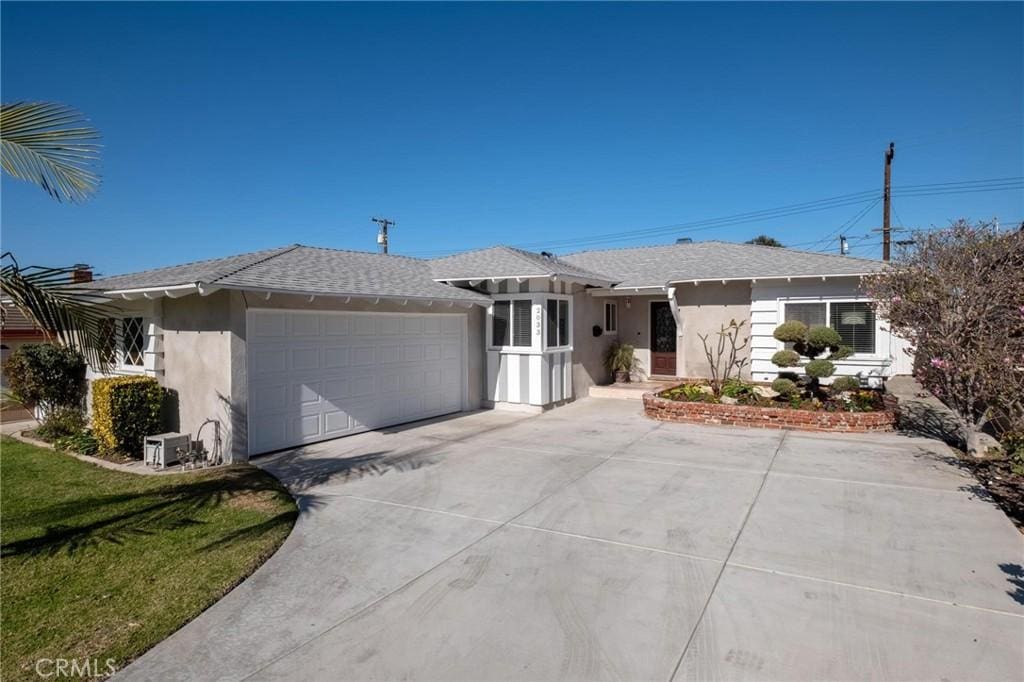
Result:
[538,320]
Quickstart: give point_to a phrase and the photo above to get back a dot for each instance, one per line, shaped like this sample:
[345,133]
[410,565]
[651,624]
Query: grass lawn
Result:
[102,564]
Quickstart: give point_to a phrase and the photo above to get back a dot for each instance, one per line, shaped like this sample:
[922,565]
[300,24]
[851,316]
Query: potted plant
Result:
[620,361]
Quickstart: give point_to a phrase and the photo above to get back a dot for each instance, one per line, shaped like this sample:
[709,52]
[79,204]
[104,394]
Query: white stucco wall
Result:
[768,299]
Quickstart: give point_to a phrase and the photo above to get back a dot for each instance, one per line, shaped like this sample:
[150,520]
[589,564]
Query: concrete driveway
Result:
[592,543]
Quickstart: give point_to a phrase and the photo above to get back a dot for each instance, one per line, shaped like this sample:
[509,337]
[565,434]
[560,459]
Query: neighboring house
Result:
[17,329]
[299,344]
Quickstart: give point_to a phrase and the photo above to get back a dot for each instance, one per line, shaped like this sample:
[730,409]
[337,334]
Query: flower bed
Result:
[656,406]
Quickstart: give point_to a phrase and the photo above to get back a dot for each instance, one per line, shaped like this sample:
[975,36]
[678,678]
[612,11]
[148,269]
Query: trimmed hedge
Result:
[124,411]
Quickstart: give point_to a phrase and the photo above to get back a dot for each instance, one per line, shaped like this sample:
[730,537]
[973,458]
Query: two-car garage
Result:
[315,375]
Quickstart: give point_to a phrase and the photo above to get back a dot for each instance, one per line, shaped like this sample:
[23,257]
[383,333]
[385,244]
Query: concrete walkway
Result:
[591,543]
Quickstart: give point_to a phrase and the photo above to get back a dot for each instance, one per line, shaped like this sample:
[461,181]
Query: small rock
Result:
[726,400]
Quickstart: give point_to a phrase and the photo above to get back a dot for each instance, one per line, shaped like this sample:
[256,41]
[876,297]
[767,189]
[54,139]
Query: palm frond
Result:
[74,314]
[50,145]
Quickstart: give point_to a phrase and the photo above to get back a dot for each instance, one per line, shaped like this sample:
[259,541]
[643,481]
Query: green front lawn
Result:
[102,564]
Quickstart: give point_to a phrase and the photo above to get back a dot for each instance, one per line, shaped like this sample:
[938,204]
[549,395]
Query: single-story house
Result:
[300,344]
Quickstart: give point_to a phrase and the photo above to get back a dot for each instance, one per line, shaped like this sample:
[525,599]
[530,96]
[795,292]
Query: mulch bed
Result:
[1006,487]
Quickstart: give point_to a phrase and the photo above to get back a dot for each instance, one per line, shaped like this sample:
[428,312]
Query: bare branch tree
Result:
[725,360]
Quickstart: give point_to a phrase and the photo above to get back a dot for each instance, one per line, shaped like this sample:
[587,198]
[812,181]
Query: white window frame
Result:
[538,323]
[569,321]
[119,366]
[613,307]
[827,301]
[511,299]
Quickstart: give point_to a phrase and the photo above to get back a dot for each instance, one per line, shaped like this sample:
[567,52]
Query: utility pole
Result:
[382,236]
[887,200]
[844,245]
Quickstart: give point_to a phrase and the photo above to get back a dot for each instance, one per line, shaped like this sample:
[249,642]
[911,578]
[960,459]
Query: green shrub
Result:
[785,387]
[737,388]
[791,332]
[620,357]
[1013,444]
[61,422]
[83,442]
[786,358]
[46,375]
[819,369]
[823,338]
[845,384]
[124,411]
[690,393]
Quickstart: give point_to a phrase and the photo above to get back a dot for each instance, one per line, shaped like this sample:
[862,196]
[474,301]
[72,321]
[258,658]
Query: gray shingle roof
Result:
[657,265]
[313,270]
[204,271]
[506,261]
[304,269]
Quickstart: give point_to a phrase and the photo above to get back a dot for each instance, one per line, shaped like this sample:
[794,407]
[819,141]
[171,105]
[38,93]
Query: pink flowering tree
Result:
[957,296]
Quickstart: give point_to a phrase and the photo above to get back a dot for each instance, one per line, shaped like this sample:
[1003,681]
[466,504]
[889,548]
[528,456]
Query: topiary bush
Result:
[47,376]
[819,369]
[842,384]
[793,331]
[810,343]
[785,387]
[124,411]
[786,358]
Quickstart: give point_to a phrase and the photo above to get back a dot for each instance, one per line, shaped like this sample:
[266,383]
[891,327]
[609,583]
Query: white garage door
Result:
[317,375]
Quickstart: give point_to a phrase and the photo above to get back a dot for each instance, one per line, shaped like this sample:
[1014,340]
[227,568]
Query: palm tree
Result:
[51,145]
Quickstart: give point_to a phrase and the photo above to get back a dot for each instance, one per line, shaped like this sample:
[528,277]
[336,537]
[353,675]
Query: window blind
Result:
[855,323]
[521,323]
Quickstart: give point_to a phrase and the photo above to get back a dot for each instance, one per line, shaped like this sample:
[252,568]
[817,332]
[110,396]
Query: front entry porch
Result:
[634,390]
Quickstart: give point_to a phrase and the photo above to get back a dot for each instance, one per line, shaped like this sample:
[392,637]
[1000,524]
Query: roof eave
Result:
[473,281]
[769,278]
[203,289]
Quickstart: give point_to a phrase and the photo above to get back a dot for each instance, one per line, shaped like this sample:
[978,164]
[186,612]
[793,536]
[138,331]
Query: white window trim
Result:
[533,316]
[569,322]
[538,323]
[607,331]
[855,358]
[118,366]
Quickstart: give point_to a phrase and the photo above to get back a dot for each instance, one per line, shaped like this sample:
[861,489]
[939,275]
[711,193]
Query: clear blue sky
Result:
[233,127]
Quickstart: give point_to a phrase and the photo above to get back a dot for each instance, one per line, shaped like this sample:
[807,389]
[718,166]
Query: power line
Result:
[838,201]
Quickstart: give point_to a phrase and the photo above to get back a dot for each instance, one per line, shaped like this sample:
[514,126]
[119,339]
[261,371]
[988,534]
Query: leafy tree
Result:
[764,240]
[957,296]
[51,145]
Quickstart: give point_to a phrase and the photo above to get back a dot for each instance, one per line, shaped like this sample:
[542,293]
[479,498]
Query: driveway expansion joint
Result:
[725,563]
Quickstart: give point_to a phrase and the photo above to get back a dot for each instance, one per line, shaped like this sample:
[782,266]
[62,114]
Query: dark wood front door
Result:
[663,339]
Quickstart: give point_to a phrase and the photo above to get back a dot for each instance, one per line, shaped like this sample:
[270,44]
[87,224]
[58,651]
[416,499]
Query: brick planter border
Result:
[667,410]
